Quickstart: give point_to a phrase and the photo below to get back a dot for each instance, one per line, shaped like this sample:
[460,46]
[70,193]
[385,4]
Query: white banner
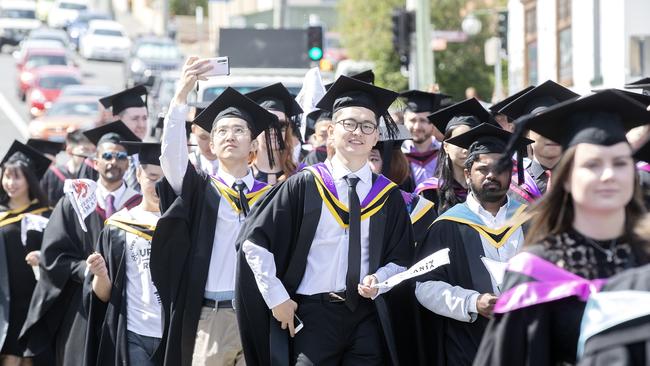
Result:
[81,193]
[31,222]
[310,94]
[426,265]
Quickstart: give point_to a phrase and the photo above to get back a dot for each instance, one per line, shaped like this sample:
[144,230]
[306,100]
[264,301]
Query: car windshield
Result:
[74,109]
[45,60]
[48,37]
[159,51]
[57,81]
[72,6]
[212,93]
[18,14]
[85,18]
[108,32]
[86,92]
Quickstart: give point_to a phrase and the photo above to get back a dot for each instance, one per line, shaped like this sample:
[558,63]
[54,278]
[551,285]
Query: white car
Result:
[17,19]
[65,11]
[106,40]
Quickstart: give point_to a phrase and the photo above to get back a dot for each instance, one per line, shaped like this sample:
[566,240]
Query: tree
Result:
[365,29]
[187,7]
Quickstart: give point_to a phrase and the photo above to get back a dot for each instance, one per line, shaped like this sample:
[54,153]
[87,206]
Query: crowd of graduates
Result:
[272,229]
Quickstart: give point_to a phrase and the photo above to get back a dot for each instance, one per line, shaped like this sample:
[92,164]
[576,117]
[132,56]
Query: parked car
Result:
[67,114]
[17,19]
[34,59]
[47,85]
[105,39]
[30,44]
[79,26]
[85,90]
[50,34]
[245,80]
[149,57]
[65,11]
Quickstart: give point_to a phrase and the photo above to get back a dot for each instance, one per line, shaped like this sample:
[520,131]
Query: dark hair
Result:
[19,162]
[445,173]
[553,213]
[76,138]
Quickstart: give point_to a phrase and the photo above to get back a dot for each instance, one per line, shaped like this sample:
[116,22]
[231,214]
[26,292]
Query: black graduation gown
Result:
[52,182]
[17,279]
[317,155]
[180,259]
[107,342]
[285,224]
[452,342]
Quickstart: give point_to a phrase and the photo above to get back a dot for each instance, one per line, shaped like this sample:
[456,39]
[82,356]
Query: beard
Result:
[489,191]
[113,175]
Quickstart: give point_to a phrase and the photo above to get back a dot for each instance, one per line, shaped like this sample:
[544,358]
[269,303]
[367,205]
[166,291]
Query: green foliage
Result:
[365,28]
[187,7]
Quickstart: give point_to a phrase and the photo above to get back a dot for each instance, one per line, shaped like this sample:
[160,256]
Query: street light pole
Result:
[421,69]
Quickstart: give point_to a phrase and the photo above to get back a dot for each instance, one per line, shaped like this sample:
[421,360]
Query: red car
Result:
[47,84]
[33,59]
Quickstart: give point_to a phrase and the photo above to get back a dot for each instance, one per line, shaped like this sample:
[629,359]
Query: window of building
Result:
[530,27]
[639,56]
[564,43]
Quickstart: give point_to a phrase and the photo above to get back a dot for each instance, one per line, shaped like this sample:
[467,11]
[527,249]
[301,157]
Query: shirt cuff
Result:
[471,307]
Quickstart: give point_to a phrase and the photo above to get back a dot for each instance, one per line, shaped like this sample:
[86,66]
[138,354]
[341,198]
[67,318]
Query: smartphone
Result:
[297,324]
[220,66]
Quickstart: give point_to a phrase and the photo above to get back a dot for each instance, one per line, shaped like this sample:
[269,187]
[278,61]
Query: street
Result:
[14,117]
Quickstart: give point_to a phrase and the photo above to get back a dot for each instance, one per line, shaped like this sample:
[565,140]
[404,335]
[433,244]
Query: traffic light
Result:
[403,25]
[315,43]
[502,28]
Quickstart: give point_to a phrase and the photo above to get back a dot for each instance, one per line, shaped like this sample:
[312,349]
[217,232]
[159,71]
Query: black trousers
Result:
[333,335]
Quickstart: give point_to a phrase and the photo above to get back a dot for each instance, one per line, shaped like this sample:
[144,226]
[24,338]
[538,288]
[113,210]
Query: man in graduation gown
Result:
[193,250]
[422,151]
[317,124]
[316,244]
[545,153]
[461,296]
[77,148]
[125,316]
[56,313]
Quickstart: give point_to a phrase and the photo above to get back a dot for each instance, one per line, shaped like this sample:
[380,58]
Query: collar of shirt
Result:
[486,216]
[536,169]
[230,180]
[409,146]
[138,214]
[340,171]
[102,193]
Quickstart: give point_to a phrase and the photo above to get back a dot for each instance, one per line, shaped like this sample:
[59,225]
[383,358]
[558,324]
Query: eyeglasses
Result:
[350,125]
[119,155]
[237,131]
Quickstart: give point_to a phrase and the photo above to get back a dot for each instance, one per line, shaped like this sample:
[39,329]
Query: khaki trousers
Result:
[217,339]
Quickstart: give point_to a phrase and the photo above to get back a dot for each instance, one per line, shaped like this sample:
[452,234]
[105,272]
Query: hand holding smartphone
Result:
[220,66]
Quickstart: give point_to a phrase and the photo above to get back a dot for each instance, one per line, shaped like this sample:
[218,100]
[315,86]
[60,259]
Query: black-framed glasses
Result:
[117,155]
[350,125]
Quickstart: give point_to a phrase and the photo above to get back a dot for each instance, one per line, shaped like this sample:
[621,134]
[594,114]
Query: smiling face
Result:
[231,139]
[602,177]
[420,127]
[112,169]
[354,144]
[14,183]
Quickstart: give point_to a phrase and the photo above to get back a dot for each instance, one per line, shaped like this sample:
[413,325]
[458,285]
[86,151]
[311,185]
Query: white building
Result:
[582,44]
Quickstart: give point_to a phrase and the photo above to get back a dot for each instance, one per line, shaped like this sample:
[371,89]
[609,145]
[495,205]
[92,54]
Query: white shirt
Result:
[204,164]
[119,197]
[459,303]
[143,306]
[173,160]
[327,259]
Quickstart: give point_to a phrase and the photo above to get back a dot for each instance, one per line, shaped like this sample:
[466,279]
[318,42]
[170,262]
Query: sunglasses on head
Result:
[120,155]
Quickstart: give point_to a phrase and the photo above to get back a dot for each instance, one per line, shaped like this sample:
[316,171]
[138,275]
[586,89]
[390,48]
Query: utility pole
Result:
[279,13]
[421,69]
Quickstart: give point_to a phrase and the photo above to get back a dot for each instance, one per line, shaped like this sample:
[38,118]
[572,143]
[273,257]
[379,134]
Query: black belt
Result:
[335,297]
[226,304]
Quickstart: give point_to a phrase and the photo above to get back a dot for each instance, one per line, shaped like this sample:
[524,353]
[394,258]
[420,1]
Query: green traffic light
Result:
[315,53]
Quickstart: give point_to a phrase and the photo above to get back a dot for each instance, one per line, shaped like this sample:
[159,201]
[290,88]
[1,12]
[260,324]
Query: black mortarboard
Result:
[486,138]
[641,98]
[312,118]
[446,118]
[643,153]
[232,103]
[125,99]
[276,97]
[199,107]
[643,84]
[542,96]
[114,132]
[148,152]
[418,101]
[46,146]
[349,92]
[496,107]
[37,162]
[366,76]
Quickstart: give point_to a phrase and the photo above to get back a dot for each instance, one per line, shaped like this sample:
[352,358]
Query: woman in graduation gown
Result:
[20,196]
[580,234]
[448,186]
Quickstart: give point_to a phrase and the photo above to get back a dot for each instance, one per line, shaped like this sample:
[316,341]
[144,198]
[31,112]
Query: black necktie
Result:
[354,248]
[243,202]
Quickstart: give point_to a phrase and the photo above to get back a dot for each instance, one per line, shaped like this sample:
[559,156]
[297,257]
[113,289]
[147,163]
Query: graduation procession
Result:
[360,202]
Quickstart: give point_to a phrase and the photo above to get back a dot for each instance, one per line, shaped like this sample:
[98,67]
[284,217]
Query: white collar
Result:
[230,180]
[340,171]
[487,217]
[117,194]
